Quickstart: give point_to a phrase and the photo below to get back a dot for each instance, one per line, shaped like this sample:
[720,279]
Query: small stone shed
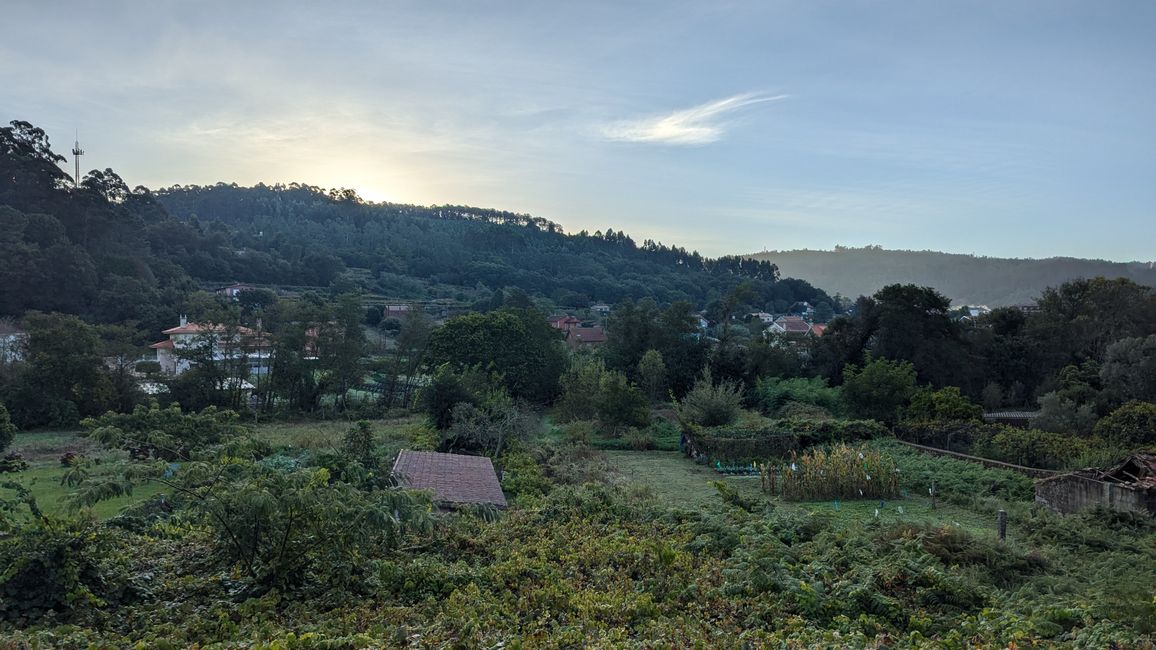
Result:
[454,479]
[1129,486]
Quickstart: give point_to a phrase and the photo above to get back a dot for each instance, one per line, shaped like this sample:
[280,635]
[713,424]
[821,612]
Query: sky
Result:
[1011,129]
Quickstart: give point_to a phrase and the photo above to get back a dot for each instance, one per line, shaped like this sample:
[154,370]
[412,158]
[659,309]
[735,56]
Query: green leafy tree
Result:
[620,403]
[65,378]
[580,388]
[516,344]
[1131,425]
[878,389]
[652,376]
[1129,369]
[943,404]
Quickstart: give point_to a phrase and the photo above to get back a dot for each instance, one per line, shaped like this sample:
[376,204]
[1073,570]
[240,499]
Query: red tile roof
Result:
[453,478]
[197,328]
[163,345]
[588,334]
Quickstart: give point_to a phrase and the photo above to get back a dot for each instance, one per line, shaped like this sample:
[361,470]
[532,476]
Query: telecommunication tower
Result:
[77,152]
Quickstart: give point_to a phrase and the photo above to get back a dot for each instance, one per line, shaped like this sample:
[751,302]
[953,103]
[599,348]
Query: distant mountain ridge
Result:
[966,279]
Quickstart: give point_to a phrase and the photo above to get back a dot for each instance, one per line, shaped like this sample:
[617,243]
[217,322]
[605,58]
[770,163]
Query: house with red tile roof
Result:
[454,479]
[564,322]
[790,325]
[227,343]
[579,337]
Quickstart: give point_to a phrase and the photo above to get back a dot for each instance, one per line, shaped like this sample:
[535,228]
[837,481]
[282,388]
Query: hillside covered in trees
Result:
[112,254]
[966,279]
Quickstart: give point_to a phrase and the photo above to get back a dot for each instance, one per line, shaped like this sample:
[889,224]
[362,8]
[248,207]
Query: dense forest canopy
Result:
[965,279]
[296,234]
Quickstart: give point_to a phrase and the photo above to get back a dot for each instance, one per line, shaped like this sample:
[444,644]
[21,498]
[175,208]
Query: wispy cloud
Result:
[697,125]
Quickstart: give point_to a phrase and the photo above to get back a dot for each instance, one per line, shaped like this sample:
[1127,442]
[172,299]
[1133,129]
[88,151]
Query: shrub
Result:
[774,394]
[578,432]
[709,404]
[523,476]
[640,439]
[12,462]
[7,429]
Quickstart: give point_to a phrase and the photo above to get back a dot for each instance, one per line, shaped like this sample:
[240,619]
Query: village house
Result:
[454,479]
[565,322]
[790,326]
[580,337]
[763,316]
[228,343]
[601,309]
[233,291]
[12,340]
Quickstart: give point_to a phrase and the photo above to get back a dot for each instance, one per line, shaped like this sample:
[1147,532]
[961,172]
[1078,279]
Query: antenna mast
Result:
[77,152]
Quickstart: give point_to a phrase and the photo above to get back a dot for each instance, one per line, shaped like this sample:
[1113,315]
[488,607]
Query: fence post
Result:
[1001,522]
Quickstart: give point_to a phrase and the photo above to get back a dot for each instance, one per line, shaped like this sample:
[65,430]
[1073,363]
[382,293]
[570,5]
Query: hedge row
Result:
[760,439]
[1027,447]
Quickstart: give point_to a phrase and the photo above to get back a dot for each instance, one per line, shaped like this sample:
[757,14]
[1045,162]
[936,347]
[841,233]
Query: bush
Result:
[523,476]
[579,432]
[59,565]
[708,404]
[774,394]
[12,462]
[640,439]
[7,429]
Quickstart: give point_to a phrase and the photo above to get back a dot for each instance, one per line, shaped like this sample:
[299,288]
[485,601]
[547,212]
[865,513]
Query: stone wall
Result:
[1074,493]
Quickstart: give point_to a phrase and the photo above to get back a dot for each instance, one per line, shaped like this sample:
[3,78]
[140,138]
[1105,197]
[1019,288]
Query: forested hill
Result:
[113,254]
[966,279]
[311,236]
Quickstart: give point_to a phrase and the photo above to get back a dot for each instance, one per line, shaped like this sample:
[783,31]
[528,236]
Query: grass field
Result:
[43,449]
[679,482]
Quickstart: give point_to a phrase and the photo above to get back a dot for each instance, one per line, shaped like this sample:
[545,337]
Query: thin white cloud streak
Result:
[696,125]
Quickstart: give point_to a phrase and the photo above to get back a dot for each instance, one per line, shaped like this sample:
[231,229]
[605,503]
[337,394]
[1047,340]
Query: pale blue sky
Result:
[1020,128]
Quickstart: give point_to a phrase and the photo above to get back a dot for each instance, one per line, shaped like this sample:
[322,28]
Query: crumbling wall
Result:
[1074,493]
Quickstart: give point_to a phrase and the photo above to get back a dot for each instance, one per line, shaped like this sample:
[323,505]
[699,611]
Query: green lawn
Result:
[43,449]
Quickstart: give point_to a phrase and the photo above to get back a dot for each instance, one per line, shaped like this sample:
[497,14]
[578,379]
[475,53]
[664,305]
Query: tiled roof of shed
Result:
[453,478]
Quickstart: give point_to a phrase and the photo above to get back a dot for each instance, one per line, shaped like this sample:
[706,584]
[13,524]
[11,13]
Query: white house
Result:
[12,340]
[228,343]
[790,325]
